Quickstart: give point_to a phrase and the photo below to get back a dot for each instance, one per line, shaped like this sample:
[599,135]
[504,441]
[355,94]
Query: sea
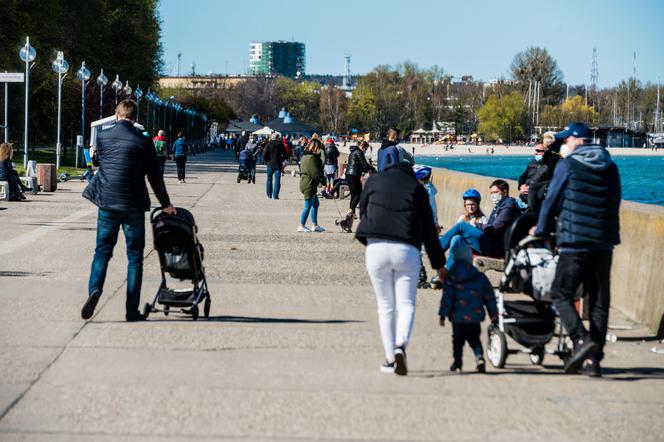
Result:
[642,178]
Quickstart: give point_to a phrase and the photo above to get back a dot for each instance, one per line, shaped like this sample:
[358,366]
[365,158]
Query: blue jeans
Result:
[276,172]
[108,226]
[310,205]
[457,237]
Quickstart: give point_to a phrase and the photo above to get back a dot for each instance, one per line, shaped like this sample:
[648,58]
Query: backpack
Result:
[159,146]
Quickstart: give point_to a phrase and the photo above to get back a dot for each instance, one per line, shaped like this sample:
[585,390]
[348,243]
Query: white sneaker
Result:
[318,229]
[388,367]
[304,229]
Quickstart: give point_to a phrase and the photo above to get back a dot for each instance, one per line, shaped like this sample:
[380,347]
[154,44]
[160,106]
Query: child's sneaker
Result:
[480,365]
[388,367]
[455,367]
[400,359]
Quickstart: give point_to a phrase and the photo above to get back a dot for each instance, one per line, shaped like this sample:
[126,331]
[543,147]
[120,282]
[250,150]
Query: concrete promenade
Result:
[291,351]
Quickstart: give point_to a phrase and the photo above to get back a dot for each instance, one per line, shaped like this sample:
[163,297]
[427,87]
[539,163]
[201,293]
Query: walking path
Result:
[292,349]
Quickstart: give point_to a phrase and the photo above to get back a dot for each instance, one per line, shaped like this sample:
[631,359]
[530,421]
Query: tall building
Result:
[277,58]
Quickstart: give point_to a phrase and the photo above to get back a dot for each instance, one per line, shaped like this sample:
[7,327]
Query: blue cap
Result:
[578,130]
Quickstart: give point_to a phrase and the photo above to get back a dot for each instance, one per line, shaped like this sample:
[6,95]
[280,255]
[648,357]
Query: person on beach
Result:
[466,293]
[125,158]
[180,152]
[486,239]
[161,147]
[582,207]
[331,164]
[311,176]
[274,156]
[357,166]
[395,220]
[471,203]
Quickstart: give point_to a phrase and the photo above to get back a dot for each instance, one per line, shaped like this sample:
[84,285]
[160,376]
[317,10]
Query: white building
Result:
[255,56]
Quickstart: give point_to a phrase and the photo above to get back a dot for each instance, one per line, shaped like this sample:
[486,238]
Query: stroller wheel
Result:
[497,348]
[206,307]
[194,313]
[167,310]
[147,308]
[536,356]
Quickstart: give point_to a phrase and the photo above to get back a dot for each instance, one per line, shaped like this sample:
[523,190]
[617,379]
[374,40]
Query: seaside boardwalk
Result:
[291,350]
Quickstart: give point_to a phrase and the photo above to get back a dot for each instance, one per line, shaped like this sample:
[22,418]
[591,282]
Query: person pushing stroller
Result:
[466,293]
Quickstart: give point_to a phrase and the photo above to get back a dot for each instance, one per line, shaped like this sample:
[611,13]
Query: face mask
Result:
[496,197]
[564,150]
[539,158]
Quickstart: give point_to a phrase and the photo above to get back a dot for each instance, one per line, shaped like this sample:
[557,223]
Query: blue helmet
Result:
[472,194]
[422,172]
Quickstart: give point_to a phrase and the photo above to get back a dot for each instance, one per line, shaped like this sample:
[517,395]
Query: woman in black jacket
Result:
[357,166]
[395,220]
[9,174]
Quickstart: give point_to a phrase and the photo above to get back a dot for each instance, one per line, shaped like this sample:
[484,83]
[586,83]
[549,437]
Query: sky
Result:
[464,37]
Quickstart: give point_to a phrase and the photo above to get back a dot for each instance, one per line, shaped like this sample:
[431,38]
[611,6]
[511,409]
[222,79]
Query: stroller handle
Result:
[531,238]
[156,211]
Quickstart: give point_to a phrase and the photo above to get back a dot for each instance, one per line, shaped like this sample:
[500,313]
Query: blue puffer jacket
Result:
[388,154]
[125,157]
[180,147]
[466,292]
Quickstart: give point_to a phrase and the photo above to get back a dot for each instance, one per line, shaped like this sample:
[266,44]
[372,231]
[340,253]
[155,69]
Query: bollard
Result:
[47,178]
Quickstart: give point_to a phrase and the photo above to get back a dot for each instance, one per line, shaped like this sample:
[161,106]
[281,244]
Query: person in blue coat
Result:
[180,152]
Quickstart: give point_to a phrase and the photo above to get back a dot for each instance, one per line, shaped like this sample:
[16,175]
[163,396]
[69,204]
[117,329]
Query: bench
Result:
[485,264]
[4,187]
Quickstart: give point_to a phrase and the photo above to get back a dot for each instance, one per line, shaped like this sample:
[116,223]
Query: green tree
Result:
[302,98]
[502,117]
[573,109]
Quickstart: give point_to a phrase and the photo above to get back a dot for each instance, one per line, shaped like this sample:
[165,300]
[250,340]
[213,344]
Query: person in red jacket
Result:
[161,146]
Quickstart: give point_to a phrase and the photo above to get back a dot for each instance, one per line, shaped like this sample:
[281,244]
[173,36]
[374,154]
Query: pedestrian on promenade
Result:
[253,147]
[395,220]
[357,166]
[582,204]
[389,150]
[125,157]
[423,174]
[274,156]
[331,164]
[311,176]
[180,152]
[161,146]
[466,293]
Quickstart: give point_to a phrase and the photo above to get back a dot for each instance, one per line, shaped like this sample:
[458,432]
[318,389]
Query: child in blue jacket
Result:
[466,293]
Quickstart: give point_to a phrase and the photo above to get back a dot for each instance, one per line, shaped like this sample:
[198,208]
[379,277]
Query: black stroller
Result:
[181,255]
[530,266]
[246,168]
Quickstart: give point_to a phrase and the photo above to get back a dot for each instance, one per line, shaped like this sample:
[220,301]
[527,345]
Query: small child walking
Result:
[466,293]
[423,173]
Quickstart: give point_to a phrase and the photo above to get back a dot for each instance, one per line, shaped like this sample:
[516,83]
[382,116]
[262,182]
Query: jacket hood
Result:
[462,271]
[387,143]
[352,148]
[593,156]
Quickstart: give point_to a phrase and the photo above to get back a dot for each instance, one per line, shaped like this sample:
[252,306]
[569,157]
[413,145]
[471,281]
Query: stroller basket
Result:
[531,324]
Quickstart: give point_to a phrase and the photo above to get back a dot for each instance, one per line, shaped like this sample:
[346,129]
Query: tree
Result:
[573,109]
[535,64]
[502,117]
[333,106]
[302,98]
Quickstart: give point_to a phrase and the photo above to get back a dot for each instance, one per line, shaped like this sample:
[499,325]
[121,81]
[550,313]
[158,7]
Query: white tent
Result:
[264,131]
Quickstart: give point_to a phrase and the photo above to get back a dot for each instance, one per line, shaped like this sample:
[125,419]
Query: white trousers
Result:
[394,270]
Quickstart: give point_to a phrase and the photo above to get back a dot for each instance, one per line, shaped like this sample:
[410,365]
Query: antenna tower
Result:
[346,79]
[594,79]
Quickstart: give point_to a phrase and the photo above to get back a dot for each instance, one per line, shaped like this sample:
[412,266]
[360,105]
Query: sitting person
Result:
[538,184]
[487,238]
[471,202]
[9,174]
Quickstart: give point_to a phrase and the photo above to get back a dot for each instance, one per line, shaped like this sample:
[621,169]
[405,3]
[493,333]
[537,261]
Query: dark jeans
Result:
[180,162]
[273,174]
[162,164]
[355,186]
[108,226]
[470,333]
[593,270]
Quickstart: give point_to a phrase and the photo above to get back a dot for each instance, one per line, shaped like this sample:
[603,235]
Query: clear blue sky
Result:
[475,37]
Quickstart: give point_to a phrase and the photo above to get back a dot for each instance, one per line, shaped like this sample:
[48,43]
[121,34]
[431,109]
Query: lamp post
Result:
[60,67]
[127,90]
[116,85]
[27,54]
[82,74]
[101,81]
[139,94]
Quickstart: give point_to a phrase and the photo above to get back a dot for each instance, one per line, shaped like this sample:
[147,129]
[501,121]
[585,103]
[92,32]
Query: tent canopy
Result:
[264,131]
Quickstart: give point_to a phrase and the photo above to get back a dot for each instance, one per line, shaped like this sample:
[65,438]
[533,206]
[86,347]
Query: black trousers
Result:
[162,163]
[593,270]
[466,332]
[180,162]
[355,187]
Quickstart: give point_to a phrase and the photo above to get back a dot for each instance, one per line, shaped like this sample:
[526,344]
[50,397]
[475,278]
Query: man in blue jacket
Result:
[389,154]
[125,157]
[582,206]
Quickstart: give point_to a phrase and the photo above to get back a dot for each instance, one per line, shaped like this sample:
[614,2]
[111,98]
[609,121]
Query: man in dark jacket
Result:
[535,169]
[357,166]
[125,157]
[582,207]
[331,163]
[389,149]
[274,155]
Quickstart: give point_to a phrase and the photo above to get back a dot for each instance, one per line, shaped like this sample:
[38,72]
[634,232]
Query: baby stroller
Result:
[530,267]
[181,255]
[246,169]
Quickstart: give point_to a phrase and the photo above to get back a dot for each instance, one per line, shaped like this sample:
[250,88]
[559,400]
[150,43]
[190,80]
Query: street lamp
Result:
[101,81]
[139,94]
[116,85]
[127,90]
[27,54]
[82,74]
[60,66]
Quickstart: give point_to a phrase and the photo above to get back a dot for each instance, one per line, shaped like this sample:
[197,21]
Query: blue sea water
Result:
[642,177]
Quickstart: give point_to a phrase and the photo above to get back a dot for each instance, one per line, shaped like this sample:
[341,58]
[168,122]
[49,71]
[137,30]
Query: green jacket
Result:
[311,174]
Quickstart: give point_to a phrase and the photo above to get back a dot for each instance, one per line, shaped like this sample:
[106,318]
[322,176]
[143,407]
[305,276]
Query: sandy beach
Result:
[462,150]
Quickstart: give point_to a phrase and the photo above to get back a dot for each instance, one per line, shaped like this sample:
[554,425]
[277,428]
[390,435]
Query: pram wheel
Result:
[239,179]
[194,313]
[536,356]
[206,307]
[147,308]
[497,347]
[167,310]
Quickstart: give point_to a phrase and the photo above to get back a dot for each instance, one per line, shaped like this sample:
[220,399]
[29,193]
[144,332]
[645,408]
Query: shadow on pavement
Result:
[609,374]
[255,319]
